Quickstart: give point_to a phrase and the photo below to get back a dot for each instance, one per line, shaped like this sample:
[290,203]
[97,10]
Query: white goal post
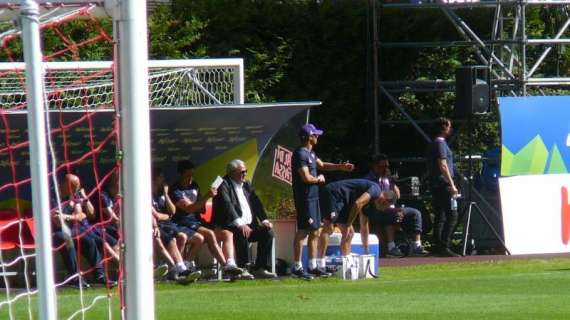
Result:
[135,85]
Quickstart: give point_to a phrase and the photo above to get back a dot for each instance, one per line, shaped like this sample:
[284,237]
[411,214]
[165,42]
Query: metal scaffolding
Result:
[505,52]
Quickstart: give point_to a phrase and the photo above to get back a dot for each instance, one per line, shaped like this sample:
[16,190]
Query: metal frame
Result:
[504,53]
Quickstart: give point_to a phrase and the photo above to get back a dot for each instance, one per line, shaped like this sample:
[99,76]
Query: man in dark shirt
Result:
[170,240]
[72,232]
[306,181]
[442,186]
[343,202]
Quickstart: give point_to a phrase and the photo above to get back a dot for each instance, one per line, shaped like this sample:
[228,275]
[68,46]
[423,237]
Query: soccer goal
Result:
[72,130]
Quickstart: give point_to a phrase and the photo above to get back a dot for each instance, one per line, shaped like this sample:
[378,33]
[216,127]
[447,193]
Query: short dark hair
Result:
[441,124]
[184,165]
[378,157]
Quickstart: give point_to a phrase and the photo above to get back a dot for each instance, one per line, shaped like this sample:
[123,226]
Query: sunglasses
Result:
[244,172]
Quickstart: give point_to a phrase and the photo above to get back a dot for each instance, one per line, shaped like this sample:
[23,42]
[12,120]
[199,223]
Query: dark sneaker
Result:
[319,273]
[394,253]
[245,275]
[419,251]
[232,270]
[264,274]
[188,276]
[301,274]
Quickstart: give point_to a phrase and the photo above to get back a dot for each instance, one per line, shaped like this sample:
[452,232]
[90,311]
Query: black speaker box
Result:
[471,91]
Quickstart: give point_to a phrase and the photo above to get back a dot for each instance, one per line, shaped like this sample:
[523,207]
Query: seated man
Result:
[170,239]
[189,205]
[343,202]
[410,219]
[72,232]
[237,208]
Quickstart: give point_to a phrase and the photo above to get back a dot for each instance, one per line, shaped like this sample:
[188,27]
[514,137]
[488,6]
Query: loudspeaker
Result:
[471,91]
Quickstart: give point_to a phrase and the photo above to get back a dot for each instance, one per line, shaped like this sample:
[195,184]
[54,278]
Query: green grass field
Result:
[515,289]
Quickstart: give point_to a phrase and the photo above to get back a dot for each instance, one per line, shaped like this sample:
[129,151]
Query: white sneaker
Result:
[245,275]
[232,269]
[160,271]
[264,274]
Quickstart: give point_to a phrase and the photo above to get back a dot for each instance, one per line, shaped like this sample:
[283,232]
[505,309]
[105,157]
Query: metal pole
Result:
[29,12]
[376,82]
[135,132]
[523,47]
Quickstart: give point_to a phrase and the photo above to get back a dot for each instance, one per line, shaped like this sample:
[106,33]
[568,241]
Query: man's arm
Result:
[396,190]
[329,166]
[257,207]
[87,206]
[159,216]
[189,207]
[170,206]
[356,208]
[308,178]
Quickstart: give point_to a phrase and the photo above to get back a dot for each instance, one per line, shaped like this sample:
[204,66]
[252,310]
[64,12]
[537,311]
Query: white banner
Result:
[536,213]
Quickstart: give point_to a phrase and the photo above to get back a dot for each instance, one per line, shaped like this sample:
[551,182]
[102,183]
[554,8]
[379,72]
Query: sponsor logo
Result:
[282,165]
[565,216]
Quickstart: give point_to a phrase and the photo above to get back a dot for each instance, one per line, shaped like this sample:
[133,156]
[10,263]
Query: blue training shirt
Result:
[439,150]
[304,158]
[345,192]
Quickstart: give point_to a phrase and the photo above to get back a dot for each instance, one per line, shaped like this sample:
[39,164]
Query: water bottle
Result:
[453,203]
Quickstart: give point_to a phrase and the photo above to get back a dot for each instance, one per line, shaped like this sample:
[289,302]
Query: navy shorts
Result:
[168,231]
[308,214]
[330,209]
[190,221]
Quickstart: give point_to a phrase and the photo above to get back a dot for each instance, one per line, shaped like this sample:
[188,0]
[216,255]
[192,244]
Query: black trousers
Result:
[264,238]
[445,218]
[87,245]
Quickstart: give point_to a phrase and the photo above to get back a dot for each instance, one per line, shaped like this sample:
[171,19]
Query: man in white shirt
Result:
[237,208]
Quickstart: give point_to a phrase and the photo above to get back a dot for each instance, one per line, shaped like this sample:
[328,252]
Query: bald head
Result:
[71,183]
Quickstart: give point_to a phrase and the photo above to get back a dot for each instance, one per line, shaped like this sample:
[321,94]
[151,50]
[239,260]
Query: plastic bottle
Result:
[453,203]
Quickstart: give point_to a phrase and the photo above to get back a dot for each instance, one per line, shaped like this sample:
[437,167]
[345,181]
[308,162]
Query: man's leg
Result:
[264,238]
[300,235]
[412,224]
[241,245]
[326,232]
[445,220]
[195,244]
[439,202]
[67,253]
[90,250]
[346,240]
[297,269]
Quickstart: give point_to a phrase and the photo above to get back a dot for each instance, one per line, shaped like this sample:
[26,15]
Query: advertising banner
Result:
[86,143]
[535,158]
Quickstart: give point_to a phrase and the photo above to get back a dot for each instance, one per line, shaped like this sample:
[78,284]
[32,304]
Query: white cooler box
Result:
[334,257]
